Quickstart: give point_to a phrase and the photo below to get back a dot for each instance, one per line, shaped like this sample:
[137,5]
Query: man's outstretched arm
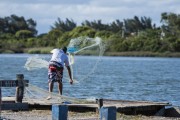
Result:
[70,75]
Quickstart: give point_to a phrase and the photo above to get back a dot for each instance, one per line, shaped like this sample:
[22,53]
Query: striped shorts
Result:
[55,72]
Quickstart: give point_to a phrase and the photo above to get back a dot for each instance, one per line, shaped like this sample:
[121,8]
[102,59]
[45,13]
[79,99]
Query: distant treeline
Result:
[18,35]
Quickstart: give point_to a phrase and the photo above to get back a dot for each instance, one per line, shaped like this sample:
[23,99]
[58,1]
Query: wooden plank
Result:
[123,106]
[8,83]
[172,112]
[12,83]
[0,101]
[8,99]
[133,103]
[14,106]
[83,105]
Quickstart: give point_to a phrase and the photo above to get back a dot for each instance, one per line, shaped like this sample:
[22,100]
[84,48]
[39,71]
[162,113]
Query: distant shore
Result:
[143,54]
[46,50]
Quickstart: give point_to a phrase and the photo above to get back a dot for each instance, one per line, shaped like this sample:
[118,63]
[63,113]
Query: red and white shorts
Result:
[55,72]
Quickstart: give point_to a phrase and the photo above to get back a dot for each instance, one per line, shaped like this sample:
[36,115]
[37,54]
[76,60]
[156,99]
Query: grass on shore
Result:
[40,50]
[143,54]
[46,50]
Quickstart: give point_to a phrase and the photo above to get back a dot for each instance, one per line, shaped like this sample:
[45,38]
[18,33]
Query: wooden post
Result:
[108,113]
[0,102]
[19,88]
[59,112]
[100,103]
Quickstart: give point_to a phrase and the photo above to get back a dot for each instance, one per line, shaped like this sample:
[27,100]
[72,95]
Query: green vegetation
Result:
[137,36]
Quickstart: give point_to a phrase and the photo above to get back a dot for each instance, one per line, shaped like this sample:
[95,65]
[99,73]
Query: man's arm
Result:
[70,75]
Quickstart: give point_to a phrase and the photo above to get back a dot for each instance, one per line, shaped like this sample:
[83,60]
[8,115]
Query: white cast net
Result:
[77,47]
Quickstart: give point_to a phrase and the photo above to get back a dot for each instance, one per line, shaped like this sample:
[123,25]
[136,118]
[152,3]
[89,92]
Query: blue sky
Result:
[46,12]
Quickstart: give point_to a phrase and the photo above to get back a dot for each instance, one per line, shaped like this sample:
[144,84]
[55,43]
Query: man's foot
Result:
[48,98]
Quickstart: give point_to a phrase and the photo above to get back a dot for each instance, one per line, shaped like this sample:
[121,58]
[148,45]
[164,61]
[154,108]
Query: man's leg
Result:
[51,84]
[60,87]
[59,77]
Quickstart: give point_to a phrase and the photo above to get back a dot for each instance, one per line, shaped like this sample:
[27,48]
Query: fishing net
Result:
[36,62]
[35,94]
[77,47]
[84,46]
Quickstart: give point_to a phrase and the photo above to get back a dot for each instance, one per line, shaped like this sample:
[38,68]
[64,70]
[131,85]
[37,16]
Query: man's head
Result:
[64,49]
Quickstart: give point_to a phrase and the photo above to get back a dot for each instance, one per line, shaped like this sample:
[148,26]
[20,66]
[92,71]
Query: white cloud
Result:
[45,1]
[46,12]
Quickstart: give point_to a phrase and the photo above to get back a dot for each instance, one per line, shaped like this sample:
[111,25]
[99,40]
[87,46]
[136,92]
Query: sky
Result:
[46,12]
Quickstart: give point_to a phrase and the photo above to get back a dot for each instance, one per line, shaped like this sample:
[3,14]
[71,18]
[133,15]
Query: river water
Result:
[121,78]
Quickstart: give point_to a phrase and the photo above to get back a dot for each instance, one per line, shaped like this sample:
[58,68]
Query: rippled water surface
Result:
[125,78]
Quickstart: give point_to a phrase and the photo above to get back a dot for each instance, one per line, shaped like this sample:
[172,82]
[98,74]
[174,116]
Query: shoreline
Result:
[46,50]
[144,54]
[113,54]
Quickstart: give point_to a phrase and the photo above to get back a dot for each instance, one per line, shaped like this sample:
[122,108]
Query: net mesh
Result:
[34,94]
[35,62]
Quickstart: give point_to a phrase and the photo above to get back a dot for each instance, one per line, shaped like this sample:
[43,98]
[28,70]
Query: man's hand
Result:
[70,76]
[71,81]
